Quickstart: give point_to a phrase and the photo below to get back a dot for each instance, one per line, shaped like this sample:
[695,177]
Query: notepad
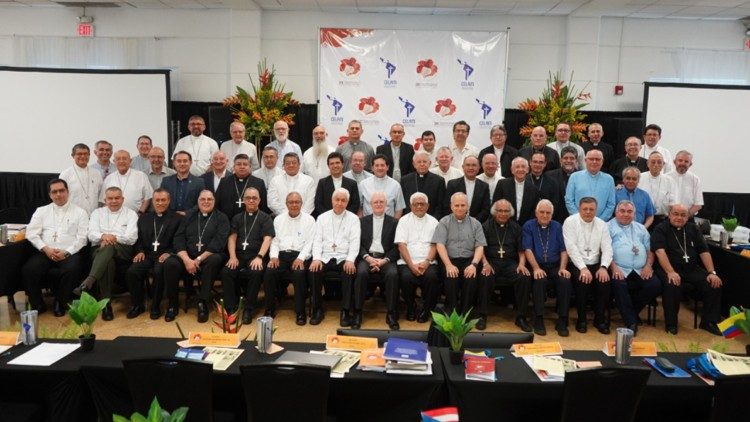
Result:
[45,354]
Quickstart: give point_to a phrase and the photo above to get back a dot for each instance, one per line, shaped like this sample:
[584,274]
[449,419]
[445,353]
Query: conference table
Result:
[733,269]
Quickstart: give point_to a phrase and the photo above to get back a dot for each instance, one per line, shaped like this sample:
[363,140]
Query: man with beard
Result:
[282,143]
[687,186]
[315,159]
[198,145]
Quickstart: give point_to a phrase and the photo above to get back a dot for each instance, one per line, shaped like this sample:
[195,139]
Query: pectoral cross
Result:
[54,237]
[244,245]
[501,252]
[686,258]
[334,246]
[156,244]
[545,257]
[199,245]
[239,202]
[588,251]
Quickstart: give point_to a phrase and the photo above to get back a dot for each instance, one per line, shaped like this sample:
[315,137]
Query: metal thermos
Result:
[29,327]
[724,239]
[265,333]
[623,343]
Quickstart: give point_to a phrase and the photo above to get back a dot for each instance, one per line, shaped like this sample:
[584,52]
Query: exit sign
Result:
[85,29]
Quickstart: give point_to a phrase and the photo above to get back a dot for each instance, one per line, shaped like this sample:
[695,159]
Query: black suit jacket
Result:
[195,186]
[386,238]
[405,157]
[550,189]
[504,161]
[506,189]
[433,186]
[226,195]
[208,179]
[553,158]
[561,179]
[622,163]
[325,190]
[480,202]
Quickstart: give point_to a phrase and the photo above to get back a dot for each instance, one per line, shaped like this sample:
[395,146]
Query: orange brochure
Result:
[357,344]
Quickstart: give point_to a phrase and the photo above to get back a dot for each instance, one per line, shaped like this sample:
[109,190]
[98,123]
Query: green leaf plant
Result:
[84,312]
[454,327]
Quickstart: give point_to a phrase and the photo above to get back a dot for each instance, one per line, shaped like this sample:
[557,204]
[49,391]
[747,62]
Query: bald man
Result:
[238,145]
[135,186]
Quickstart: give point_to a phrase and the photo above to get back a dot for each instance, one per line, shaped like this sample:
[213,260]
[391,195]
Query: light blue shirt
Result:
[644,207]
[600,186]
[626,240]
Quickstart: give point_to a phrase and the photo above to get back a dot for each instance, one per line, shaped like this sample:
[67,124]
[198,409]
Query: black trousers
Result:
[633,294]
[694,276]
[241,279]
[36,268]
[429,282]
[136,277]
[461,292]
[505,274]
[330,268]
[174,271]
[602,294]
[562,286]
[275,277]
[388,274]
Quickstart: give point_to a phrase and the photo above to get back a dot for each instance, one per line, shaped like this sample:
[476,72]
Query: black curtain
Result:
[26,191]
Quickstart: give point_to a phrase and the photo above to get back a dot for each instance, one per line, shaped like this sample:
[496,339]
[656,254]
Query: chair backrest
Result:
[382,335]
[610,394]
[175,382]
[285,392]
[729,396]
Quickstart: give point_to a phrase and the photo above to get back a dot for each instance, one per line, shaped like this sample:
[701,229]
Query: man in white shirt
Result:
[460,148]
[315,159]
[357,172]
[83,181]
[291,181]
[417,266]
[58,232]
[651,138]
[198,145]
[589,247]
[134,184]
[428,146]
[269,170]
[490,175]
[158,171]
[658,186]
[335,248]
[445,166]
[238,145]
[562,140]
[381,182]
[141,161]
[103,152]
[687,186]
[290,253]
[113,230]
[282,143]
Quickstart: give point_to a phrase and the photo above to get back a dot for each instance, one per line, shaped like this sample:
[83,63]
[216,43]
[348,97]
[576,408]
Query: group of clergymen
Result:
[453,220]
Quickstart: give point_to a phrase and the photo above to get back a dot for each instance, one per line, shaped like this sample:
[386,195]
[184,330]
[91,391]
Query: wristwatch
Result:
[712,272]
[198,259]
[475,264]
[259,256]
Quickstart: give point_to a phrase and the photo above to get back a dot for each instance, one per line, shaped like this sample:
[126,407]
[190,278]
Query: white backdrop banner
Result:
[425,80]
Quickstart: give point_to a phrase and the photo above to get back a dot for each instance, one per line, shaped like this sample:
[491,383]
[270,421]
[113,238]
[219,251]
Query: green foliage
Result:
[730,224]
[155,414]
[454,327]
[67,332]
[84,312]
[742,324]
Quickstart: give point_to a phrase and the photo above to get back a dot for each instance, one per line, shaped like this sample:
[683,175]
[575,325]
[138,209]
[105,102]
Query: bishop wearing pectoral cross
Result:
[229,194]
[684,258]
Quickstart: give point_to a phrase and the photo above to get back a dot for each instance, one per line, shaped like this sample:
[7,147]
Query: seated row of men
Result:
[253,248]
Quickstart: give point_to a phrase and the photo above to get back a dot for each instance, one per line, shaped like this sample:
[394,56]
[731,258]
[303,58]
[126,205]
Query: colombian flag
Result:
[727,327]
[444,414]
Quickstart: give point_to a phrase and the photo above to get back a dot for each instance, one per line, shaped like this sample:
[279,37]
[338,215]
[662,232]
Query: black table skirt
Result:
[12,258]
[733,269]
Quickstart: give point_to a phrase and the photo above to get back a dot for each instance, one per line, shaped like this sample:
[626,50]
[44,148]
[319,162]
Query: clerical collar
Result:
[459,221]
[205,214]
[159,215]
[422,175]
[537,177]
[251,213]
[355,143]
[501,224]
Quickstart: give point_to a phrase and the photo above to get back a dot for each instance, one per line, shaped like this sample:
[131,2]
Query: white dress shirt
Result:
[62,228]
[452,173]
[460,154]
[661,190]
[687,188]
[587,243]
[416,233]
[394,196]
[122,223]
[665,154]
[519,196]
[492,181]
[336,237]
[231,149]
[84,185]
[293,233]
[201,148]
[316,166]
[135,187]
[282,184]
[377,234]
[267,174]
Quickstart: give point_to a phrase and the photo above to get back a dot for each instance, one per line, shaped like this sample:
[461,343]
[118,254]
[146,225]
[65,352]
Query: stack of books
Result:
[372,360]
[407,357]
[712,365]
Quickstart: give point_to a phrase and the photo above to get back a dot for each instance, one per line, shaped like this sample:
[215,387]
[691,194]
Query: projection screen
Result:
[47,111]
[710,121]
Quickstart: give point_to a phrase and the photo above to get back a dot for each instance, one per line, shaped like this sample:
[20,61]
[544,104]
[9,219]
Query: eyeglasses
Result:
[563,130]
[251,198]
[419,204]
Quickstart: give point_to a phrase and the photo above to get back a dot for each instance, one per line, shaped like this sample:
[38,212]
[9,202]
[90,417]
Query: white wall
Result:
[211,51]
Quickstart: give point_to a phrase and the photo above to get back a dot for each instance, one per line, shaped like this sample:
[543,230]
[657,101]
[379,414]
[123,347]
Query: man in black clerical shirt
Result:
[477,191]
[678,245]
[568,166]
[330,183]
[249,239]
[502,261]
[504,152]
[547,187]
[596,132]
[539,144]
[229,193]
[156,231]
[200,243]
[183,188]
[425,181]
[631,159]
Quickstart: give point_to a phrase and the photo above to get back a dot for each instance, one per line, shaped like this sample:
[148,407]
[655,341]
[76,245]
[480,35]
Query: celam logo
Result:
[368,105]
[389,67]
[408,106]
[445,107]
[349,66]
[468,70]
[426,68]
[486,109]
[336,104]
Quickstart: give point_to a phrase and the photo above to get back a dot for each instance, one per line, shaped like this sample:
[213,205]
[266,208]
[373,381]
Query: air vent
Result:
[87,4]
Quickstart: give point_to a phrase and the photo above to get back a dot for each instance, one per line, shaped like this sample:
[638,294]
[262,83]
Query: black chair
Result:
[175,382]
[382,335]
[729,398]
[269,386]
[610,394]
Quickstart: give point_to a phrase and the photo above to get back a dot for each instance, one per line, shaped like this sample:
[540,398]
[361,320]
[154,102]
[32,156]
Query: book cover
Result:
[480,368]
[405,350]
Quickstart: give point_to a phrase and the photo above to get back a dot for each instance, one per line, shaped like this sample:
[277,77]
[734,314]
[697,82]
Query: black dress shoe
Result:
[423,316]
[345,320]
[671,330]
[411,314]
[392,321]
[247,315]
[482,323]
[634,328]
[523,325]
[317,316]
[171,314]
[135,311]
[710,327]
[356,320]
[85,286]
[562,329]
[581,326]
[301,319]
[155,313]
[58,309]
[203,311]
[539,328]
[603,328]
[270,313]
[107,314]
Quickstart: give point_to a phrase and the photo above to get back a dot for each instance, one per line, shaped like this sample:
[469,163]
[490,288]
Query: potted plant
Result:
[155,414]
[730,225]
[84,312]
[454,327]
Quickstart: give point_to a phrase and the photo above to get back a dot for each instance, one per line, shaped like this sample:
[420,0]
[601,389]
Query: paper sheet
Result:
[45,354]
